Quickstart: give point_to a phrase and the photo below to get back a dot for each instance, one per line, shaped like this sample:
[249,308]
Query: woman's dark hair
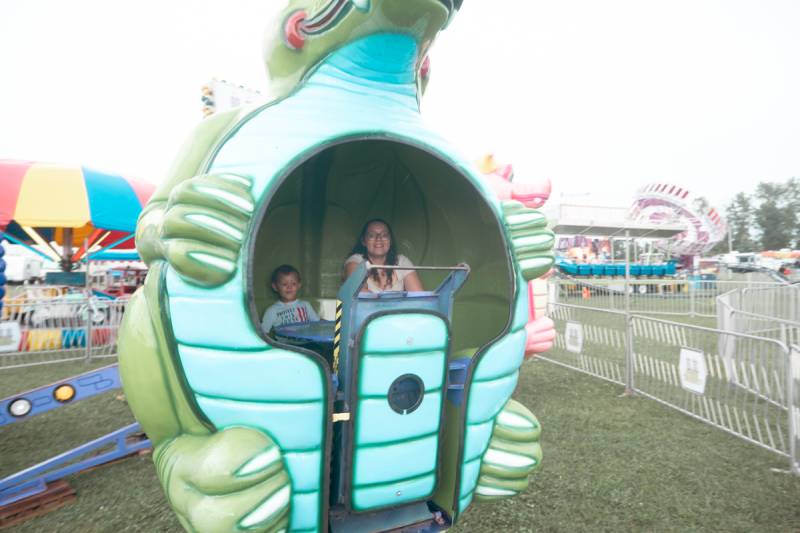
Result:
[361,249]
[283,270]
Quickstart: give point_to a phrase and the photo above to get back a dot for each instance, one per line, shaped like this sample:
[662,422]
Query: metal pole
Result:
[89,310]
[86,282]
[792,372]
[627,272]
[730,241]
[628,321]
[66,261]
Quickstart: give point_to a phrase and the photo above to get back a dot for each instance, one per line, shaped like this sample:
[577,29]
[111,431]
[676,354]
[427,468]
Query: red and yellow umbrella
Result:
[68,205]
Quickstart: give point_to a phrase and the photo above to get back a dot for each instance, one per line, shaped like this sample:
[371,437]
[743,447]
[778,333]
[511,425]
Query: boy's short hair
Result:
[283,270]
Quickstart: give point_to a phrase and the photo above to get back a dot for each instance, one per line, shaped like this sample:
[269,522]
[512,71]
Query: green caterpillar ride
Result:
[408,418]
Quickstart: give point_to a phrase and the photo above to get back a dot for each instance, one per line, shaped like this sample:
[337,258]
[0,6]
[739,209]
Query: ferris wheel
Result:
[668,204]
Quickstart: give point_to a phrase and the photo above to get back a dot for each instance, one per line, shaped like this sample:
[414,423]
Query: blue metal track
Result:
[34,480]
[43,399]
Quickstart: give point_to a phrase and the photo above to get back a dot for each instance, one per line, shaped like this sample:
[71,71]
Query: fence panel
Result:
[589,340]
[765,326]
[646,296]
[781,302]
[794,394]
[675,297]
[763,312]
[739,383]
[45,331]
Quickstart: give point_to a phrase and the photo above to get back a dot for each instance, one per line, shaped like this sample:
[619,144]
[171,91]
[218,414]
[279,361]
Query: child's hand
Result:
[204,227]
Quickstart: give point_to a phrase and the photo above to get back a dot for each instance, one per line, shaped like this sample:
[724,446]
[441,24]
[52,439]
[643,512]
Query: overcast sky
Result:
[602,97]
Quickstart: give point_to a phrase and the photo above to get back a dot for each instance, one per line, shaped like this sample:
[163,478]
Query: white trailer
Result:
[21,266]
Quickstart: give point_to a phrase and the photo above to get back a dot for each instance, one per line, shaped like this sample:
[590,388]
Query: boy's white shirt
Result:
[280,313]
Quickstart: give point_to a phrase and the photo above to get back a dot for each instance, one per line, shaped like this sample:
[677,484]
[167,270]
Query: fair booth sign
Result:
[693,371]
[10,335]
[573,336]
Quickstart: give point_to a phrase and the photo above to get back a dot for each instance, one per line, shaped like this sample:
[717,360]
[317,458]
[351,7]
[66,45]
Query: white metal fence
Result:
[739,383]
[743,384]
[766,312]
[53,330]
[677,297]
[590,340]
[780,302]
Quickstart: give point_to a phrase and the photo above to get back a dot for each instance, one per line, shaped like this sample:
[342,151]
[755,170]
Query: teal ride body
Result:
[221,352]
[251,434]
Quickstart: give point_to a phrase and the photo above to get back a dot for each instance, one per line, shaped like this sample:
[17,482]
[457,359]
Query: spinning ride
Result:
[663,203]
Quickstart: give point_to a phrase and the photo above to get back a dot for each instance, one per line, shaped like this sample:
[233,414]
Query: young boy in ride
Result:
[286,283]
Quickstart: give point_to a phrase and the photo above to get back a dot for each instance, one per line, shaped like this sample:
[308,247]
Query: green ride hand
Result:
[230,481]
[531,240]
[204,225]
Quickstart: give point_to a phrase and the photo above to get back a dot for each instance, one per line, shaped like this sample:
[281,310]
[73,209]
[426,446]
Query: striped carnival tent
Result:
[61,208]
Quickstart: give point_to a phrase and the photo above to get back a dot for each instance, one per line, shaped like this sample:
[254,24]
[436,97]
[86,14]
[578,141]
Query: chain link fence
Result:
[54,330]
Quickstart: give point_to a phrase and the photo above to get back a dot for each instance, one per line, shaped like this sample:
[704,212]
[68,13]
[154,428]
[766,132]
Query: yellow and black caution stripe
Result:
[337,336]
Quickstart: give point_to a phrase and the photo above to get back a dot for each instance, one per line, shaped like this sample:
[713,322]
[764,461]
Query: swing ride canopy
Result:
[43,202]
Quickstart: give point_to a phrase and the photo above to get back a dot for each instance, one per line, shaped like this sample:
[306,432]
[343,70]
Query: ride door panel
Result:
[402,361]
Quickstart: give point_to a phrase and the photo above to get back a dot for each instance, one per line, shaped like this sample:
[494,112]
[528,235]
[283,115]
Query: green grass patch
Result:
[614,463]
[611,463]
[16,380]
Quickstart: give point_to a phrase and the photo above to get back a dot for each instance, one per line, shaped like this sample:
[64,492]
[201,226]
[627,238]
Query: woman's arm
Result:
[412,282]
[349,268]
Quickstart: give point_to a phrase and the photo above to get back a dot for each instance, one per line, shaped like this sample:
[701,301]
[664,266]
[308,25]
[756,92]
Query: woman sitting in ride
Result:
[375,244]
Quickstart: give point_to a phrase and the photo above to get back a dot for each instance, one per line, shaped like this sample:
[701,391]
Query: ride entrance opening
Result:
[437,215]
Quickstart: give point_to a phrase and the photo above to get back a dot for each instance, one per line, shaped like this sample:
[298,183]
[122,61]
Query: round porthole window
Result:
[405,394]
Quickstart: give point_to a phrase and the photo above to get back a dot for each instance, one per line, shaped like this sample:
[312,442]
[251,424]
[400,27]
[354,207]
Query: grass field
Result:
[611,463]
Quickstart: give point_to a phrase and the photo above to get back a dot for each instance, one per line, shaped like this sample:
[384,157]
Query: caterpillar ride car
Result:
[398,414]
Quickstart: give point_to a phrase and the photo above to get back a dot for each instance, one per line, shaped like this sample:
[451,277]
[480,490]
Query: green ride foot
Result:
[514,453]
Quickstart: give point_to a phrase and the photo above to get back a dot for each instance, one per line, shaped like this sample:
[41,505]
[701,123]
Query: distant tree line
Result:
[764,220]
